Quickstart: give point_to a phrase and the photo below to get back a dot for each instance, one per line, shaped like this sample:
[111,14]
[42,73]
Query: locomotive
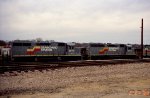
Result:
[25,50]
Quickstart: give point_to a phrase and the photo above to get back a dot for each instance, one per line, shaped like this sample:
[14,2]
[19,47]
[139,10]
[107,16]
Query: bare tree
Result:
[39,39]
[2,43]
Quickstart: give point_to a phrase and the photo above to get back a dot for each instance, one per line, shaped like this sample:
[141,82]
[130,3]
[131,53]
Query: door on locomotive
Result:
[130,49]
[84,54]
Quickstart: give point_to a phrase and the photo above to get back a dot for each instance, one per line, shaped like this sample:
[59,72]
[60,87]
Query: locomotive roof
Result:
[30,41]
[73,43]
[22,41]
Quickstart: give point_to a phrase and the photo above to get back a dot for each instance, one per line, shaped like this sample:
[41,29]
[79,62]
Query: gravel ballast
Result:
[79,82]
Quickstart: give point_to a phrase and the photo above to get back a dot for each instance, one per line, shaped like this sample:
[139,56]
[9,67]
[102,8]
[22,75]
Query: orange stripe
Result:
[34,49]
[103,50]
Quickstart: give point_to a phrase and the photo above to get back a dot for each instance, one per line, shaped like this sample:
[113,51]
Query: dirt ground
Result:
[111,81]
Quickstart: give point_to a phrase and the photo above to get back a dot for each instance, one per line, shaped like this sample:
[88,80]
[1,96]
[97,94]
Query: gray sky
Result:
[110,21]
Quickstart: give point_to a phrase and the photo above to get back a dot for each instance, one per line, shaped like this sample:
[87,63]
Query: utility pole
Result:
[142,39]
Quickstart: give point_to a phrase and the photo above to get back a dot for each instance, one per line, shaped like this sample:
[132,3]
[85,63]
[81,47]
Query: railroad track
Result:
[14,68]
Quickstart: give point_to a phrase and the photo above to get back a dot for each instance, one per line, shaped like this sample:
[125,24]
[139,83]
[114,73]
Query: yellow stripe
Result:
[30,50]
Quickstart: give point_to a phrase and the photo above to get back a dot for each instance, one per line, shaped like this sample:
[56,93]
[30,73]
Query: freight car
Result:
[24,50]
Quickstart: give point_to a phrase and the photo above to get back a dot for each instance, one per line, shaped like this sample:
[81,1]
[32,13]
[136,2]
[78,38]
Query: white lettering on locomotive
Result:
[113,48]
[48,48]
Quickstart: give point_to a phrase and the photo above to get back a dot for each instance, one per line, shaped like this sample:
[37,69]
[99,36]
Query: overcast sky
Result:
[106,21]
